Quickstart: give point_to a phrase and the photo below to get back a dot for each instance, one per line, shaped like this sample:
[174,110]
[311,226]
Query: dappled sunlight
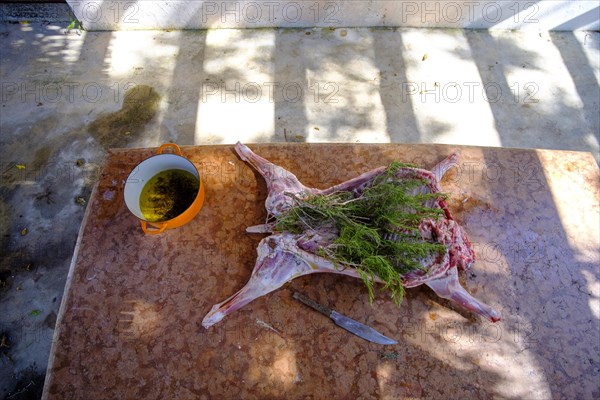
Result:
[384,374]
[245,52]
[55,45]
[236,99]
[593,286]
[536,241]
[272,364]
[59,45]
[591,48]
[220,122]
[125,53]
[582,234]
[537,71]
[25,27]
[496,357]
[533,100]
[285,369]
[513,256]
[161,56]
[449,94]
[592,141]
[522,377]
[342,99]
[580,58]
[480,349]
[574,178]
[139,320]
[368,136]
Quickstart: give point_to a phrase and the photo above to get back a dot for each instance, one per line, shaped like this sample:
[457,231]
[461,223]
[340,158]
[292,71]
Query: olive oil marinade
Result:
[168,194]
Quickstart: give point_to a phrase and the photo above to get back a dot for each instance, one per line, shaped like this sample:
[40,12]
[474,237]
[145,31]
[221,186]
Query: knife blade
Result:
[355,327]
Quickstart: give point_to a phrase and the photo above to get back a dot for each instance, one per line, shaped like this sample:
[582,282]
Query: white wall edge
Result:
[540,15]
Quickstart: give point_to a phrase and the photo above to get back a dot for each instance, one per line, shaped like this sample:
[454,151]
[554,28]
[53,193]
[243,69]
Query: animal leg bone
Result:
[280,182]
[450,288]
[279,261]
[443,166]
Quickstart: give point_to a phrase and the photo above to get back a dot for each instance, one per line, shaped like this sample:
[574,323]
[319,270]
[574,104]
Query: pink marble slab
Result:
[129,326]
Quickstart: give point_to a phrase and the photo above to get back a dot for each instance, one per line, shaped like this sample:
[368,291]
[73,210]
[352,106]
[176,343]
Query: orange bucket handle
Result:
[153,231]
[173,145]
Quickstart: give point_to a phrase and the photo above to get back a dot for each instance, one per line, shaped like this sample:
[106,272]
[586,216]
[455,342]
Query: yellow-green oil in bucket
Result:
[168,194]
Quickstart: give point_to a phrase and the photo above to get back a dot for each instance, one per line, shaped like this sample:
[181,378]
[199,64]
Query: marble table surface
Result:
[130,320]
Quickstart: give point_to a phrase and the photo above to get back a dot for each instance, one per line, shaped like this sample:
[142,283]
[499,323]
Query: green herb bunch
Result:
[378,230]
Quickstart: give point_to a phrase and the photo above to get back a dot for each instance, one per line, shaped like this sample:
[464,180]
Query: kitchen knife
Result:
[348,324]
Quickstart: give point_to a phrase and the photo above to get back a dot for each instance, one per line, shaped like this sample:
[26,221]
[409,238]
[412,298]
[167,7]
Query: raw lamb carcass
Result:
[284,256]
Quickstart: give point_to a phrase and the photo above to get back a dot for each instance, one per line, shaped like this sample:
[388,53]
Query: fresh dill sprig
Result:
[378,230]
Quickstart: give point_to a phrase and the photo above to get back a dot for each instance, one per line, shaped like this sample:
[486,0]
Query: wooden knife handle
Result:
[311,303]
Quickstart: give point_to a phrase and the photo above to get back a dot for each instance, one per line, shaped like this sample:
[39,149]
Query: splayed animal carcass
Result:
[284,255]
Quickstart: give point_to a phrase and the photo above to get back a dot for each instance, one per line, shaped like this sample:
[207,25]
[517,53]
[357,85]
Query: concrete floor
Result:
[68,96]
